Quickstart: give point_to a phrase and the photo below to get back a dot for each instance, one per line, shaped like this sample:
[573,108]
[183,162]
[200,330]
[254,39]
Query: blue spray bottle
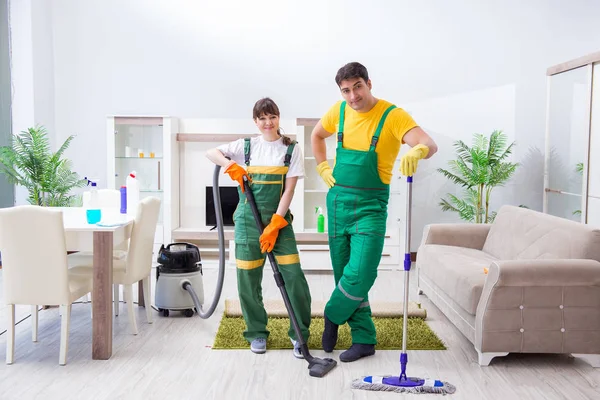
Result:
[93,212]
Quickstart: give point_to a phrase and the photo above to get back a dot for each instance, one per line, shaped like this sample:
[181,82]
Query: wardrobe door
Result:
[567,143]
[593,205]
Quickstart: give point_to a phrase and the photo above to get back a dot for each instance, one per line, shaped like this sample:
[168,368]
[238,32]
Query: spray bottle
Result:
[93,212]
[320,220]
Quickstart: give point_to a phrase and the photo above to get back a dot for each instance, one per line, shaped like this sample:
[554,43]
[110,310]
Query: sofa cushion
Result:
[458,271]
[519,233]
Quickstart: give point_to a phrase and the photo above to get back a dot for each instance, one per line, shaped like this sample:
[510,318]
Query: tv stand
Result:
[213,228]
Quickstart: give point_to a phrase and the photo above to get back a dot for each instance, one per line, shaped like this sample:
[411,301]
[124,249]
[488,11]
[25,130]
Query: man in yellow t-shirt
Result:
[370,132]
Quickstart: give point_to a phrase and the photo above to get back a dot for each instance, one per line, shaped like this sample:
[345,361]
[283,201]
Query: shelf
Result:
[206,234]
[307,121]
[218,137]
[200,234]
[139,158]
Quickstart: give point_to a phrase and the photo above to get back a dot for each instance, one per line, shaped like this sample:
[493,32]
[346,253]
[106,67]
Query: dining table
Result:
[99,239]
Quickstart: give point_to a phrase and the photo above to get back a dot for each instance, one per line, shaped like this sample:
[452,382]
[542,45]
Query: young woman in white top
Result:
[273,163]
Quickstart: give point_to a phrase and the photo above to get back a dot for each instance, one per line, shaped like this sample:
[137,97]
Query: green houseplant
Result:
[479,169]
[30,163]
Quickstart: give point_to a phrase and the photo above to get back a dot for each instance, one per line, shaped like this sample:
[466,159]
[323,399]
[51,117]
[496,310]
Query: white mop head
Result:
[375,383]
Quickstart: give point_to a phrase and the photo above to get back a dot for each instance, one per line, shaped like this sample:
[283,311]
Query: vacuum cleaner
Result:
[179,272]
[179,284]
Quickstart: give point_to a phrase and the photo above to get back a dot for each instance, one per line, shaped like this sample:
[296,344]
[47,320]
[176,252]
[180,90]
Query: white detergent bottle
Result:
[133,193]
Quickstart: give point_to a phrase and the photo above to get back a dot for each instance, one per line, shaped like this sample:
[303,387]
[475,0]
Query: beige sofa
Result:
[542,291]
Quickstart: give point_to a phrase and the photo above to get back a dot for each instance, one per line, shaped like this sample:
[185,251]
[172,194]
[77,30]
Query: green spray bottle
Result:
[320,220]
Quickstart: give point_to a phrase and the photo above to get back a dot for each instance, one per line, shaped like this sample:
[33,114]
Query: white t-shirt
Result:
[265,154]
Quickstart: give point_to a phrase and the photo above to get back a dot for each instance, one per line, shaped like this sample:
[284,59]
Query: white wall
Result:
[32,70]
[201,59]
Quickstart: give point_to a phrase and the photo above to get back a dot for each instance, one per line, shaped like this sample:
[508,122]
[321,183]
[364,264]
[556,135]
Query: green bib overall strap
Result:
[247,151]
[340,135]
[288,154]
[375,138]
[287,159]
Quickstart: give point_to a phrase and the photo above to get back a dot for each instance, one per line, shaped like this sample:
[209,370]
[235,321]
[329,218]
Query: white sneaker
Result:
[297,352]
[259,345]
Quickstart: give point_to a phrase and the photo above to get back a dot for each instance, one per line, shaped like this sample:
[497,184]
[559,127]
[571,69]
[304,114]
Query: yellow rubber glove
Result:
[408,164]
[270,233]
[326,173]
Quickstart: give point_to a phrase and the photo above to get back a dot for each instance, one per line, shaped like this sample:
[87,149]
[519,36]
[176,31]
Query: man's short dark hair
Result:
[351,70]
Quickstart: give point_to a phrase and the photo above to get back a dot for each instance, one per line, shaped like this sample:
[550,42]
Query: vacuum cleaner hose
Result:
[221,234]
[188,286]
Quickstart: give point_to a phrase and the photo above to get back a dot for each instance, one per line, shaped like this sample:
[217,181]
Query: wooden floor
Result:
[173,359]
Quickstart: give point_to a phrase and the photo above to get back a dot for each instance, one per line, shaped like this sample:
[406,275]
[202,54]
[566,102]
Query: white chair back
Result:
[108,198]
[139,256]
[34,255]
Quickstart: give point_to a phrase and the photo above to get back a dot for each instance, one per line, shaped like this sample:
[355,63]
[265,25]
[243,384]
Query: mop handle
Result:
[409,181]
[407,264]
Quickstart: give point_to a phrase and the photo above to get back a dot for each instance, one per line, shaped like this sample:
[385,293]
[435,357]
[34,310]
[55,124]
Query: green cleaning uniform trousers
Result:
[357,214]
[267,184]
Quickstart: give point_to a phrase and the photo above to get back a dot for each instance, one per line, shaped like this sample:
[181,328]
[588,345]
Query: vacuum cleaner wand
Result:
[318,367]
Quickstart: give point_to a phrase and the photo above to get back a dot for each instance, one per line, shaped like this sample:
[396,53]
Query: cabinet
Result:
[572,156]
[148,146]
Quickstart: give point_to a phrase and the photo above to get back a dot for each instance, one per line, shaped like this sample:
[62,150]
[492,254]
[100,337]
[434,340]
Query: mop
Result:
[402,383]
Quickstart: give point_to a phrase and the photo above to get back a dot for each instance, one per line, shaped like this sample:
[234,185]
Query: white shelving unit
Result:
[147,145]
[311,192]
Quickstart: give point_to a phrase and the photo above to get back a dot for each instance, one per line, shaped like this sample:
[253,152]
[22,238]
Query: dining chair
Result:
[35,269]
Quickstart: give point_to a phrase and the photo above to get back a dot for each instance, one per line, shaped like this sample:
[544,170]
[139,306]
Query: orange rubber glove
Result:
[269,235]
[236,172]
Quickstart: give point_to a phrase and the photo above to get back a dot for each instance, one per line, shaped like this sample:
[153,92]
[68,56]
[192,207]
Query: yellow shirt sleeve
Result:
[402,122]
[331,118]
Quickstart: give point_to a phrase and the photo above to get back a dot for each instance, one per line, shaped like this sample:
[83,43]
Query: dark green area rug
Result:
[389,334]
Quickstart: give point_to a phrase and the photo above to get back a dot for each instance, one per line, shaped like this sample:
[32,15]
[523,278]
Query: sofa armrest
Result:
[461,235]
[540,306]
[545,272]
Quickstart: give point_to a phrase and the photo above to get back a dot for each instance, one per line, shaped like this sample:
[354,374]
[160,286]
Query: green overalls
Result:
[357,214]
[267,184]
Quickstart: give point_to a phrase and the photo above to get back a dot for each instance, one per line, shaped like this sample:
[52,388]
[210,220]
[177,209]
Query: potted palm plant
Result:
[30,163]
[479,169]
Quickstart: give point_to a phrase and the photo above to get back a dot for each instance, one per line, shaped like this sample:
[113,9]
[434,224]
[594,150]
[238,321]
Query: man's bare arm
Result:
[417,136]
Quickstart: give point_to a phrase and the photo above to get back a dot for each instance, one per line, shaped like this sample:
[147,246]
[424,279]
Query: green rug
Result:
[389,334]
